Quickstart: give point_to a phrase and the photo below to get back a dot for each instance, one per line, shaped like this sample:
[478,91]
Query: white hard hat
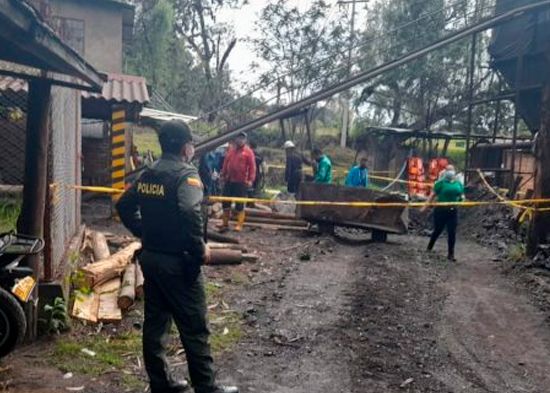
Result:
[289,145]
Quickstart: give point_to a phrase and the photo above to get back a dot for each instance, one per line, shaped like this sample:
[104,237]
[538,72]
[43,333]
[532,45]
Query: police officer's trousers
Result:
[171,291]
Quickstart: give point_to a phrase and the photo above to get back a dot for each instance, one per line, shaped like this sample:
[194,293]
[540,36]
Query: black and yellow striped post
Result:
[118,149]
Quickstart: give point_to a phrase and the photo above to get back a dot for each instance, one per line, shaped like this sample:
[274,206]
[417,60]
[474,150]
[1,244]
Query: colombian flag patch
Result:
[194,182]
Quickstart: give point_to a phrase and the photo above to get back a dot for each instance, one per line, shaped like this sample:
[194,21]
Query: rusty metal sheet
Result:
[389,219]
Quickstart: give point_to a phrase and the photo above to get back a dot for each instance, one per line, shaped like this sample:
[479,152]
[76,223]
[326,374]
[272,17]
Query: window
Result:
[71,32]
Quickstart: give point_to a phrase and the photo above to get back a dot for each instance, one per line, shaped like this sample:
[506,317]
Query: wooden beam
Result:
[31,219]
[540,224]
[35,181]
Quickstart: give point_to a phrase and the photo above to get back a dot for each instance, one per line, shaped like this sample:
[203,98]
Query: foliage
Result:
[431,92]
[9,212]
[56,318]
[211,44]
[302,50]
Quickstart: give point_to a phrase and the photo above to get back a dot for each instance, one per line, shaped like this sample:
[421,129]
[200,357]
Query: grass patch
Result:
[516,252]
[110,354]
[146,141]
[226,331]
[9,212]
[213,291]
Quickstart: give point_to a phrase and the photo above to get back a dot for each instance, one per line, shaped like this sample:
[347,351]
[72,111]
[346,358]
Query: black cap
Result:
[175,132]
[241,134]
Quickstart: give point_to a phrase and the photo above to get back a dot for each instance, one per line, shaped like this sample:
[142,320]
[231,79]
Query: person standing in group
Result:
[448,189]
[323,175]
[293,167]
[238,175]
[358,176]
[163,209]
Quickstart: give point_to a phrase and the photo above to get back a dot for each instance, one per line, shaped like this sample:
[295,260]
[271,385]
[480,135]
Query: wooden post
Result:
[35,179]
[471,76]
[308,128]
[540,224]
[519,74]
[283,131]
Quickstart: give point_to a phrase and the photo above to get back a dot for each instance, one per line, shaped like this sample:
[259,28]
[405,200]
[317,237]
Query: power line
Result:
[484,24]
[331,72]
[263,85]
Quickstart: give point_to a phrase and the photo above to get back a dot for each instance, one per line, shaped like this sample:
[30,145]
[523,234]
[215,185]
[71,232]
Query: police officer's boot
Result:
[224,227]
[175,387]
[240,221]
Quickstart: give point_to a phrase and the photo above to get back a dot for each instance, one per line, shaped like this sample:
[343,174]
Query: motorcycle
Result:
[16,286]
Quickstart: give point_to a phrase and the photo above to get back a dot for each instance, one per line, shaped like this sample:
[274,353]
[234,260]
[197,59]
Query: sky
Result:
[242,21]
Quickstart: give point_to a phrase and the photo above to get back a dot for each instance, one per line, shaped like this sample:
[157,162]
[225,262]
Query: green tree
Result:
[301,50]
[431,92]
[211,44]
[158,54]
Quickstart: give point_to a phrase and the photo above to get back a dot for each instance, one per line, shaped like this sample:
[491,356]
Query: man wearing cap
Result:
[293,167]
[238,175]
[163,209]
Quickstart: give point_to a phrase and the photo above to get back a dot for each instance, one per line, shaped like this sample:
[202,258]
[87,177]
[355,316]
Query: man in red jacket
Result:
[238,175]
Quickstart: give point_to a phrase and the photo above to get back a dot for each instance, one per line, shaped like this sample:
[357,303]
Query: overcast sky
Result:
[242,21]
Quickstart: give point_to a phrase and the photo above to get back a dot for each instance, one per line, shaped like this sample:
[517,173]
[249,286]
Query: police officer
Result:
[163,208]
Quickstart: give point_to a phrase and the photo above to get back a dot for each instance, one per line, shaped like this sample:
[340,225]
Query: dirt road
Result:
[384,318]
[321,315]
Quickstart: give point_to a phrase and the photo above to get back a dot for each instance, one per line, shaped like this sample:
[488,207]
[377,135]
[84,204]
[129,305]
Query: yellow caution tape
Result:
[502,201]
[376,204]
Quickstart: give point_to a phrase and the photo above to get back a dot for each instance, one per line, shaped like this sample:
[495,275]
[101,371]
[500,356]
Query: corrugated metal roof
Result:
[7,83]
[122,88]
[162,116]
[119,88]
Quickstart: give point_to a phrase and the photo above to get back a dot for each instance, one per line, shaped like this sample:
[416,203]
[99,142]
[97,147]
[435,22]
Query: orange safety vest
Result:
[434,169]
[416,177]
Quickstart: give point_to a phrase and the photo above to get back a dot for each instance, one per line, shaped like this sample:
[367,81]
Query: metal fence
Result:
[64,170]
[64,164]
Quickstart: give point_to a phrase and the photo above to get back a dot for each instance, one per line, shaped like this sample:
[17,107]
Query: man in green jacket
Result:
[323,175]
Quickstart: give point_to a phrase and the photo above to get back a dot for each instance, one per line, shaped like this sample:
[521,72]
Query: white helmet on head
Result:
[289,145]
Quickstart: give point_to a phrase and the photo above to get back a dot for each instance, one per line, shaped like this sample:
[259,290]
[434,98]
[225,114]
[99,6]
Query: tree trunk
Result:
[540,225]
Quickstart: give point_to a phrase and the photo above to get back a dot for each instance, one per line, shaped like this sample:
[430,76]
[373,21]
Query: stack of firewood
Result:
[109,285]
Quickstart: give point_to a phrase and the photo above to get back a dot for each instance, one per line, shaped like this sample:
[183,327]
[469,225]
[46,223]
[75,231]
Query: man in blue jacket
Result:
[358,176]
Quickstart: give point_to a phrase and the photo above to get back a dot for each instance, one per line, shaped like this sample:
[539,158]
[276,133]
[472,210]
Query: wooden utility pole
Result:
[540,224]
[346,97]
[35,179]
[471,76]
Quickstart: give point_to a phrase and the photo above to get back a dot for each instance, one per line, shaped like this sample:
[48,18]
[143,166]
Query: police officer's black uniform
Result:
[163,208]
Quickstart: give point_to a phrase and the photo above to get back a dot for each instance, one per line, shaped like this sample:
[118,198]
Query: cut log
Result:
[217,237]
[262,220]
[227,246]
[127,294]
[100,246]
[253,258]
[86,307]
[225,257]
[139,281]
[263,207]
[252,212]
[109,311]
[106,269]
